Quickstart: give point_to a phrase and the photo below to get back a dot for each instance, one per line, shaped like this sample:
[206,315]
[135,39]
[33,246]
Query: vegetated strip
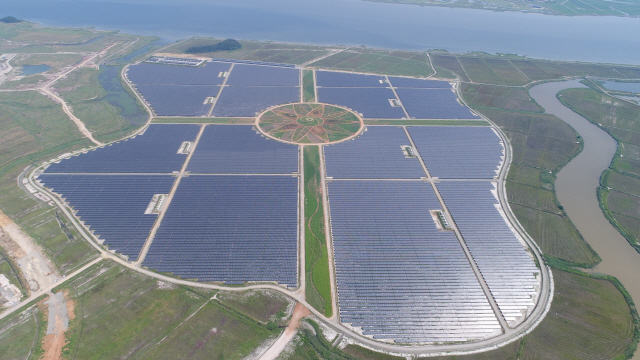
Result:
[318,283]
[308,86]
[428,122]
[202,120]
[557,264]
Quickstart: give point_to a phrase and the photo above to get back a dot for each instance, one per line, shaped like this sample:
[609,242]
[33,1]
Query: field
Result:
[378,62]
[318,284]
[511,70]
[565,8]
[308,86]
[21,334]
[619,185]
[256,51]
[147,318]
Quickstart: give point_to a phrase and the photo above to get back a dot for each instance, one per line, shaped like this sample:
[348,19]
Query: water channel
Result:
[576,186]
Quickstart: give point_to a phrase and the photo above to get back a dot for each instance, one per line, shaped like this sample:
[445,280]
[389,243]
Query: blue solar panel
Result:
[506,267]
[113,206]
[375,154]
[398,277]
[156,74]
[255,75]
[457,152]
[178,100]
[153,152]
[230,228]
[370,102]
[253,62]
[401,82]
[433,104]
[245,101]
[238,149]
[340,79]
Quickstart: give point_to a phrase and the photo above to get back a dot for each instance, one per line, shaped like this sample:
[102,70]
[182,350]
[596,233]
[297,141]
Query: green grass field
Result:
[149,319]
[318,284]
[308,86]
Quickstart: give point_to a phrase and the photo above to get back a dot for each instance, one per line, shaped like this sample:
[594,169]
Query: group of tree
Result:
[10,20]
[225,45]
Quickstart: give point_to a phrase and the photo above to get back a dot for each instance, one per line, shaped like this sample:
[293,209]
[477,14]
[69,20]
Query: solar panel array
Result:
[370,102]
[178,100]
[256,75]
[247,101]
[402,82]
[156,74]
[230,228]
[178,90]
[153,152]
[113,206]
[238,149]
[253,88]
[398,277]
[510,273]
[253,62]
[457,152]
[375,154]
[340,79]
[433,104]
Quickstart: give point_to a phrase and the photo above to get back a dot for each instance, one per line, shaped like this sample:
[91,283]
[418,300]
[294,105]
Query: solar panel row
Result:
[508,270]
[231,229]
[398,277]
[226,149]
[401,82]
[153,152]
[457,152]
[113,206]
[375,154]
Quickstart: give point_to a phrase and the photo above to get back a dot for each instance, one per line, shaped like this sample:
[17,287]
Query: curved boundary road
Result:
[538,313]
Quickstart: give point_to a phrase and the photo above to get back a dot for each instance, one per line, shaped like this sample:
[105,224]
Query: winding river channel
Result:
[576,186]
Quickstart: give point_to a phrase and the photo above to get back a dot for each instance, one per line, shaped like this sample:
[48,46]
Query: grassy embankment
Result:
[564,8]
[619,191]
[149,319]
[308,86]
[318,283]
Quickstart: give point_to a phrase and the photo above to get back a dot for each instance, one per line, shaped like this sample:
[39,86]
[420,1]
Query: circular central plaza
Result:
[309,123]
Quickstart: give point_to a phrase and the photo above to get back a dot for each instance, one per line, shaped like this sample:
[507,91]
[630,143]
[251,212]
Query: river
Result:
[352,22]
[576,186]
